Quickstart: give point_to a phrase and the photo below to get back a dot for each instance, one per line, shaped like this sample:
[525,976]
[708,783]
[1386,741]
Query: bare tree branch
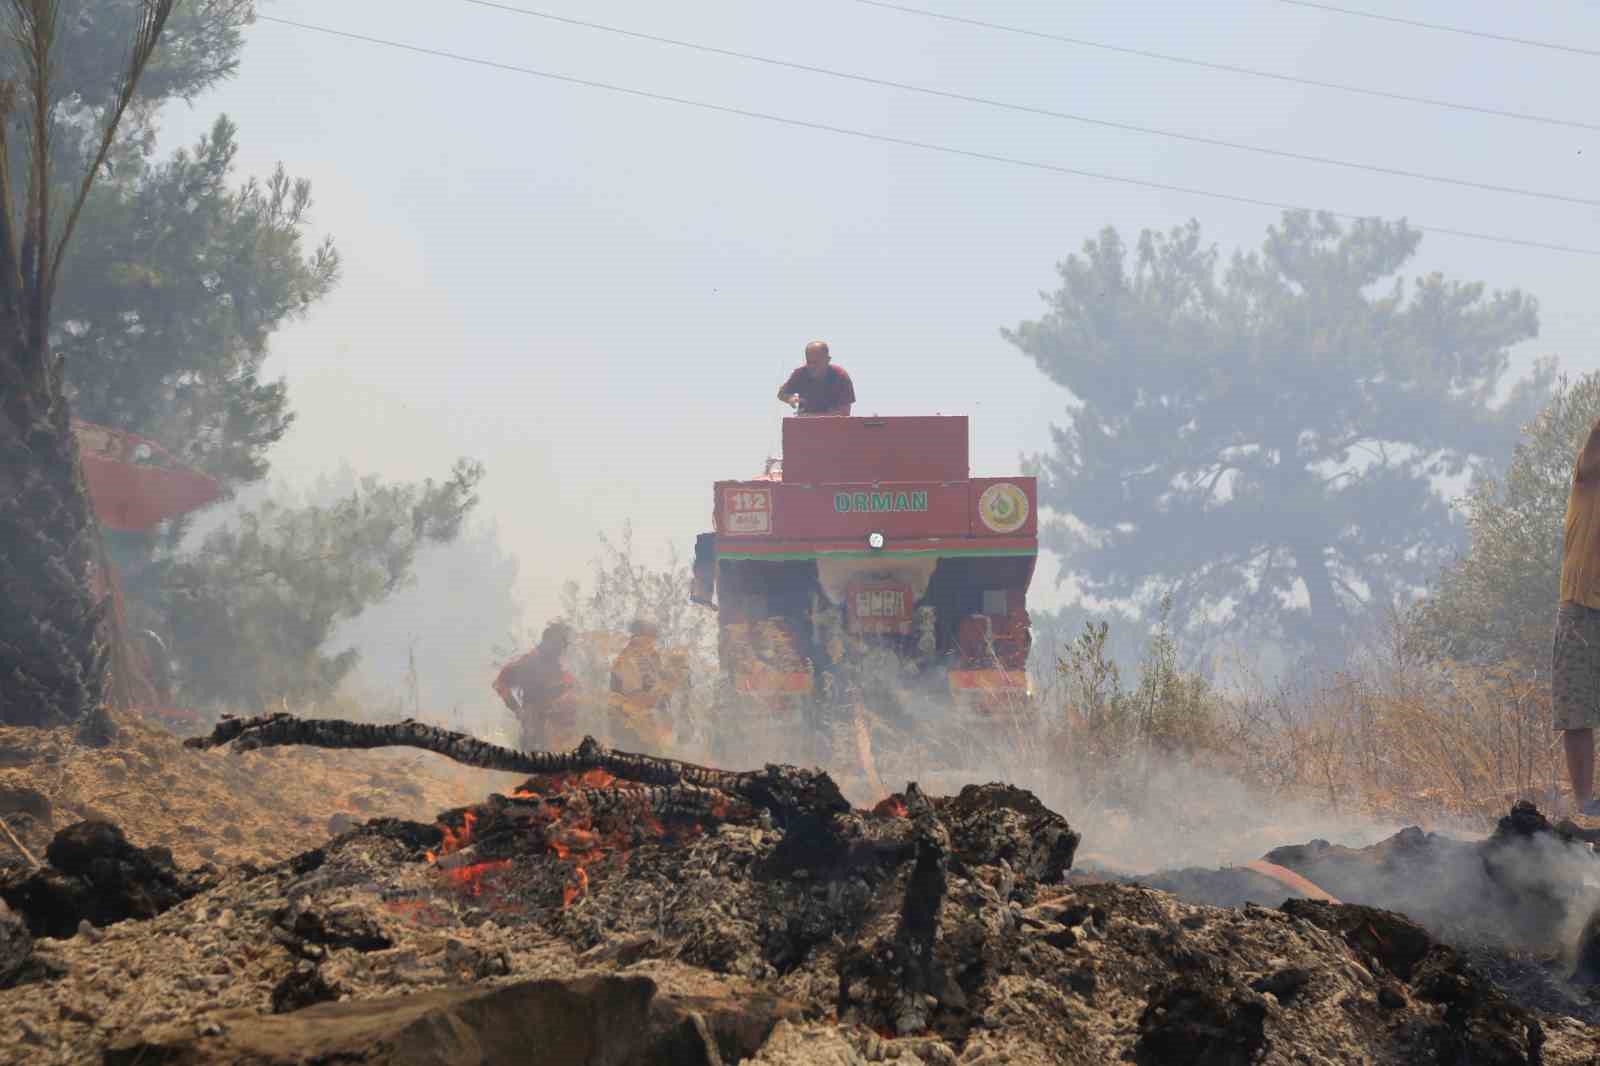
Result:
[10,264]
[41,42]
[154,20]
[785,790]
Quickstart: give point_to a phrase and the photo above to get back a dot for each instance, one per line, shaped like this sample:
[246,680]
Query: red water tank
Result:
[830,450]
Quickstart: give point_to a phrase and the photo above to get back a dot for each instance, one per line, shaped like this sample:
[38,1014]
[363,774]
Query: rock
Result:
[614,1020]
[1586,968]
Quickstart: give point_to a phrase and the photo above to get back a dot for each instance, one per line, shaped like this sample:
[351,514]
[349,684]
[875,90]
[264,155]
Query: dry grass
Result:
[221,805]
[1381,738]
[1420,742]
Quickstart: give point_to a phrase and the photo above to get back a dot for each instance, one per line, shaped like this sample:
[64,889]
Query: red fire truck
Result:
[868,563]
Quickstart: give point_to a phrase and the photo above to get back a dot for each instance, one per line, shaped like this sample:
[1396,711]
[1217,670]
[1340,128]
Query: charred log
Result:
[919,916]
[662,801]
[786,791]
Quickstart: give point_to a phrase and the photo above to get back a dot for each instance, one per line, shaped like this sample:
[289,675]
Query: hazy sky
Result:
[597,294]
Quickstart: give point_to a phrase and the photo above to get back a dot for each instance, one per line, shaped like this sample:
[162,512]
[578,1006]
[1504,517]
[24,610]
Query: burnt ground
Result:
[930,931]
[260,806]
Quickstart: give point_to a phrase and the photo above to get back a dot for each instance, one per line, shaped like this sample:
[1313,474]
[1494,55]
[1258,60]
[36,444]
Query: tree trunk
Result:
[52,658]
[1325,632]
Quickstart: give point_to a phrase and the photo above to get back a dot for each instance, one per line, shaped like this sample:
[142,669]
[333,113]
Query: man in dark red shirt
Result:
[819,387]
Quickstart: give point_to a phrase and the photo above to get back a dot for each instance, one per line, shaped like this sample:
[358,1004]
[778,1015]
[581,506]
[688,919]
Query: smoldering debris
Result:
[769,924]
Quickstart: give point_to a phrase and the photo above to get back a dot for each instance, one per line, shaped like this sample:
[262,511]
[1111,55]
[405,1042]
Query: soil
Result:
[258,806]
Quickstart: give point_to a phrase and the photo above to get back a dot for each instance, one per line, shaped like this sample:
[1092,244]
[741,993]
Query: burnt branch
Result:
[780,789]
[662,801]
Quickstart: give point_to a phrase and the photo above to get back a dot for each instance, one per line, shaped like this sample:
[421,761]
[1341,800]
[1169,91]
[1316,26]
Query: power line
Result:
[902,141]
[1530,42]
[1089,120]
[1381,94]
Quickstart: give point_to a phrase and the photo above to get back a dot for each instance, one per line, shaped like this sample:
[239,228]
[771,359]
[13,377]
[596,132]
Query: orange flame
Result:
[893,807]
[470,878]
[569,833]
[455,840]
[578,886]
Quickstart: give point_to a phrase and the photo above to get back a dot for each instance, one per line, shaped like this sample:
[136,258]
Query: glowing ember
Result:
[574,888]
[453,840]
[893,807]
[470,878]
[567,829]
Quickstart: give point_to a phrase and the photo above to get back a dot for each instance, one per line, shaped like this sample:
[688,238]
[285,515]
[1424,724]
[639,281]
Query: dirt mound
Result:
[257,807]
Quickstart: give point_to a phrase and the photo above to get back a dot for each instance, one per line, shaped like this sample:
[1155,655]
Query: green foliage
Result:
[177,279]
[1496,602]
[200,47]
[1057,633]
[253,607]
[1262,442]
[1170,709]
[165,311]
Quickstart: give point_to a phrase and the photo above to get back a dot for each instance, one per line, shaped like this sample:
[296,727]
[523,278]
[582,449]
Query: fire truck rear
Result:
[869,565]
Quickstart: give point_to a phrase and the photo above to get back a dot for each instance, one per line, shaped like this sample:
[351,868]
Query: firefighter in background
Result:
[542,695]
[642,684]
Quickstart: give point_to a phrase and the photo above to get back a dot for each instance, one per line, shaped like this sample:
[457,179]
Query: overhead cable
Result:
[865,135]
[1089,120]
[1554,46]
[1361,90]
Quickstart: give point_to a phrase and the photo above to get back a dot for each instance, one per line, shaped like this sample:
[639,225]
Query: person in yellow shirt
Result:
[1575,669]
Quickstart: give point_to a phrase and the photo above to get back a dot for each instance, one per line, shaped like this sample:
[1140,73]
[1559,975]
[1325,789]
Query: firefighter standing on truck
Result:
[819,387]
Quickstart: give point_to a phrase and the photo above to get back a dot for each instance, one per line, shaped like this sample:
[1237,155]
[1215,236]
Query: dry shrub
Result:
[1424,742]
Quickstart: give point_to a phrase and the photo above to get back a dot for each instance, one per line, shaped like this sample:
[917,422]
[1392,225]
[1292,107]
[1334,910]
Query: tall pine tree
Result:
[1262,439]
